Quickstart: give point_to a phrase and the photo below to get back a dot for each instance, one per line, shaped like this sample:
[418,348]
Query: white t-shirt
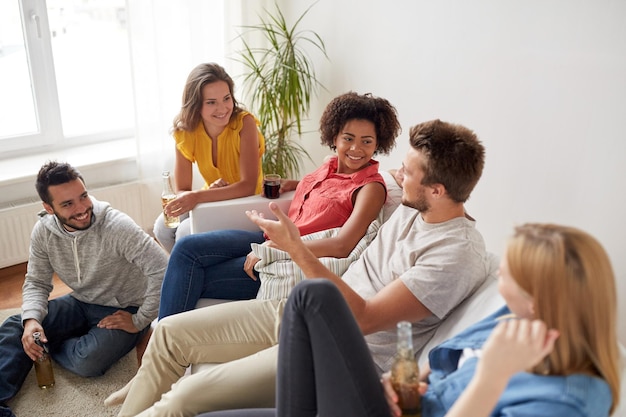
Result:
[441,264]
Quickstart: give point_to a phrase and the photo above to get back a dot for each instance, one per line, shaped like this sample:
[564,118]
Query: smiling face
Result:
[217,107]
[356,144]
[71,204]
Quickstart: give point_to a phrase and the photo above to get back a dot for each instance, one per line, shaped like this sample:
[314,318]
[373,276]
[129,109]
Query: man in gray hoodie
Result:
[114,268]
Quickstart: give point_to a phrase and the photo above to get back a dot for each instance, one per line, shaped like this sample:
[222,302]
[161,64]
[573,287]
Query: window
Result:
[65,74]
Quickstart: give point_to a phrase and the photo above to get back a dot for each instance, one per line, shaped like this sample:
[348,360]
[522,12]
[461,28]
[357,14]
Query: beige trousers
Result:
[241,336]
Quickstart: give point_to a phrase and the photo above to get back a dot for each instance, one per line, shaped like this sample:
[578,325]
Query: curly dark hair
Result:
[454,156]
[350,106]
[54,173]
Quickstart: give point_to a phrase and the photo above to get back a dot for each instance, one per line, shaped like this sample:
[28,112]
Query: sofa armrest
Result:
[231,214]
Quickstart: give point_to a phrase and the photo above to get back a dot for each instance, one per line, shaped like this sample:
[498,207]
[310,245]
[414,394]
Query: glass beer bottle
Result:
[43,365]
[405,373]
[168,195]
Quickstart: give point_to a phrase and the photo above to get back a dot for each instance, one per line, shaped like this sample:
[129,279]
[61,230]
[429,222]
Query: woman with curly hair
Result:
[346,191]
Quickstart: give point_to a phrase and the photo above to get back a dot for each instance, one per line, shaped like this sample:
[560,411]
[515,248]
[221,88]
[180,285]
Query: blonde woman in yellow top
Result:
[215,133]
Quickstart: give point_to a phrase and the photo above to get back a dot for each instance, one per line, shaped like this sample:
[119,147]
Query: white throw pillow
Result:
[394,195]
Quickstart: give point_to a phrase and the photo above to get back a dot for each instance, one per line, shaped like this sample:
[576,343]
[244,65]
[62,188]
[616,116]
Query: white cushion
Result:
[231,214]
[394,195]
[278,273]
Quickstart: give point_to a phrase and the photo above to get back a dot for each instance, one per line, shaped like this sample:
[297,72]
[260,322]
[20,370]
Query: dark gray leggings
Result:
[325,367]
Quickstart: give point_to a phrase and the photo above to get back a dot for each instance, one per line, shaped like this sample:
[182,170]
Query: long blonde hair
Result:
[569,276]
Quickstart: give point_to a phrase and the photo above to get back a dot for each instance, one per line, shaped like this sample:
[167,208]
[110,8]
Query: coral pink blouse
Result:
[323,198]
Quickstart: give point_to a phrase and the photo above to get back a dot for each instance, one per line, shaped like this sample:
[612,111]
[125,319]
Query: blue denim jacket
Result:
[526,394]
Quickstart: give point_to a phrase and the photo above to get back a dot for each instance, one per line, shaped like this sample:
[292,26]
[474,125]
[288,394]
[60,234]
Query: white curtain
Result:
[168,39]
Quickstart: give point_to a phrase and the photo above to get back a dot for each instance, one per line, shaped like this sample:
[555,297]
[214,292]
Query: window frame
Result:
[49,134]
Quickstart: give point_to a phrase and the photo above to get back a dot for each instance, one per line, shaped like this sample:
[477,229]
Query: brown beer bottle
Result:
[405,373]
[43,365]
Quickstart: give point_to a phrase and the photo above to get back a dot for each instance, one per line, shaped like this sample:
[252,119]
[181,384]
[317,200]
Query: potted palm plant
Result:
[279,81]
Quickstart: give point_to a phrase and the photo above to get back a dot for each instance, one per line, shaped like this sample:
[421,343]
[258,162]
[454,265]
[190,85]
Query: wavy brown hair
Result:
[568,274]
[189,115]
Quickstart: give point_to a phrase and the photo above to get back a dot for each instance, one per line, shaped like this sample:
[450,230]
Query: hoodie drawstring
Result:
[75,251]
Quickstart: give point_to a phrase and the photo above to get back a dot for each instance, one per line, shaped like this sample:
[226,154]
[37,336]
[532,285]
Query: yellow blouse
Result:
[196,146]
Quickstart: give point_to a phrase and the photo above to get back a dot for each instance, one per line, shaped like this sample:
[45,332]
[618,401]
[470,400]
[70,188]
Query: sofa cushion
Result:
[278,273]
[231,214]
[394,195]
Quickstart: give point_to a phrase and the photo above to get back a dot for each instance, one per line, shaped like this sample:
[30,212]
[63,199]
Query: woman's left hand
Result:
[248,266]
[288,185]
[218,183]
[515,345]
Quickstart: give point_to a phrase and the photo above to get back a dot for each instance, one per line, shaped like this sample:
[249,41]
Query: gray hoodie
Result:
[112,263]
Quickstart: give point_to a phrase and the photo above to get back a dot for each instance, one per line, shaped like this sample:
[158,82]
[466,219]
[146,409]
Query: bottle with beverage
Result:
[405,373]
[43,365]
[168,195]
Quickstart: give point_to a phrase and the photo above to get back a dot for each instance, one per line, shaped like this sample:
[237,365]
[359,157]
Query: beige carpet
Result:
[72,395]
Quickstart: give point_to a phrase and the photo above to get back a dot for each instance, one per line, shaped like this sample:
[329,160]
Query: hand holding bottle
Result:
[168,195]
[392,396]
[34,351]
[182,204]
[405,375]
[43,364]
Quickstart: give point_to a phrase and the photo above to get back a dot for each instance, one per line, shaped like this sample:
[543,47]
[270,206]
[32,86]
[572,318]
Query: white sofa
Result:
[231,215]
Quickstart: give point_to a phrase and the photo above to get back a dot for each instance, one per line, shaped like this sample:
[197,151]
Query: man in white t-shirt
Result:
[427,258]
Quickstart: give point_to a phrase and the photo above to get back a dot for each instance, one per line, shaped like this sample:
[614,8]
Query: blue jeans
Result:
[208,265]
[324,365]
[74,340]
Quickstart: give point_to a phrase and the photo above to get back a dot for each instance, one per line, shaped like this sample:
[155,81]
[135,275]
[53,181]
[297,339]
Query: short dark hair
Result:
[54,173]
[454,156]
[351,106]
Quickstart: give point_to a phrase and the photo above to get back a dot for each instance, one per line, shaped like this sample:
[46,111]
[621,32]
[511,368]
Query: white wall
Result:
[542,83]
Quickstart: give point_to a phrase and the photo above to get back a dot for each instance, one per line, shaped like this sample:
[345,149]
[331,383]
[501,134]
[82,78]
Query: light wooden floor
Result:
[11,280]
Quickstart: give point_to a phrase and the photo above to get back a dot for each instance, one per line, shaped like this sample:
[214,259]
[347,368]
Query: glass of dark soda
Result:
[271,185]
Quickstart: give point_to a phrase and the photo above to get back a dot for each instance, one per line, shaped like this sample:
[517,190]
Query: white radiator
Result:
[16,223]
